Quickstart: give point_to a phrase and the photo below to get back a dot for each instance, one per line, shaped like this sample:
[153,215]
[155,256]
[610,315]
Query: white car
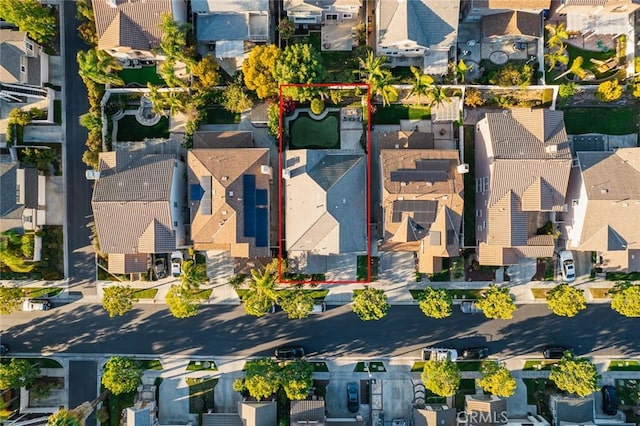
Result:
[439,354]
[568,266]
[176,263]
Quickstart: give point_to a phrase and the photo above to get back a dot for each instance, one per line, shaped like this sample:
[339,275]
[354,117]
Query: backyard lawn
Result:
[319,134]
[142,76]
[129,130]
[219,115]
[392,114]
[611,121]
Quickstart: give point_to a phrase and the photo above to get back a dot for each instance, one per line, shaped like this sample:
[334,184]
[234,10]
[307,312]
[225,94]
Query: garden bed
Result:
[374,367]
[151,364]
[539,365]
[202,365]
[201,394]
[624,365]
[362,268]
[144,293]
[219,115]
[599,293]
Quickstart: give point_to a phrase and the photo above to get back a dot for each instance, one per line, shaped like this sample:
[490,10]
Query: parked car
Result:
[319,307]
[176,263]
[568,266]
[353,400]
[555,352]
[474,353]
[609,400]
[469,307]
[160,268]
[36,305]
[439,354]
[3,349]
[289,352]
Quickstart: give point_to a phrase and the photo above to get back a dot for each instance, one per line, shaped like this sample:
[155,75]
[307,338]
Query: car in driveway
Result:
[286,353]
[353,399]
[555,351]
[469,307]
[568,266]
[160,268]
[439,354]
[609,400]
[473,353]
[36,305]
[176,263]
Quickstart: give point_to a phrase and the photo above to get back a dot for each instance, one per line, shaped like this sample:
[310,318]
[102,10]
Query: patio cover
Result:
[229,49]
[599,24]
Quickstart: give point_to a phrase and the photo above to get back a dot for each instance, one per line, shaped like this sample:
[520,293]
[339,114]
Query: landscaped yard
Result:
[307,133]
[540,293]
[539,365]
[201,394]
[374,367]
[362,268]
[467,387]
[38,292]
[144,293]
[320,367]
[40,362]
[470,365]
[599,293]
[467,293]
[615,276]
[538,391]
[142,76]
[219,115]
[117,404]
[624,365]
[202,365]
[151,364]
[129,130]
[392,114]
[628,391]
[610,121]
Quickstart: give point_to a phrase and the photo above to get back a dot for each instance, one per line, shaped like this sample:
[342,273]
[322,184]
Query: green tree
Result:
[117,300]
[421,85]
[438,95]
[565,300]
[566,90]
[512,75]
[575,69]
[257,70]
[122,375]
[635,90]
[473,97]
[575,375]
[297,379]
[98,66]
[285,28]
[236,99]
[297,304]
[441,377]
[609,90]
[299,64]
[181,302]
[87,28]
[31,17]
[496,303]
[371,68]
[262,378]
[625,299]
[317,106]
[10,299]
[206,74]
[497,380]
[556,34]
[555,56]
[383,87]
[193,274]
[370,304]
[461,69]
[435,303]
[18,373]
[262,291]
[64,417]
[273,124]
[173,42]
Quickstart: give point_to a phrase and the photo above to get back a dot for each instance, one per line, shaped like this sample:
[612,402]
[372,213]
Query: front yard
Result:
[610,121]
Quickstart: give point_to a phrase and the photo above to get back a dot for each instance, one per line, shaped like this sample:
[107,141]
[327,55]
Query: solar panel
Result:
[424,211]
[249,204]
[433,165]
[262,227]
[205,202]
[262,197]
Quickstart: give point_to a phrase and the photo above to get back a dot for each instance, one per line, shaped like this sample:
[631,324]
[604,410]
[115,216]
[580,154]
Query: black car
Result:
[609,400]
[555,352]
[4,349]
[289,352]
[353,401]
[474,353]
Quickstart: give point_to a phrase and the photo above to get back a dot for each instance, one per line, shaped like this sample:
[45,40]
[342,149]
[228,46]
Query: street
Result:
[225,330]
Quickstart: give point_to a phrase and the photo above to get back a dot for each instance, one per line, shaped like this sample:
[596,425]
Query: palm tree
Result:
[262,292]
[422,83]
[383,87]
[575,69]
[98,66]
[193,275]
[557,33]
[371,68]
[557,55]
[174,37]
[461,69]
[438,95]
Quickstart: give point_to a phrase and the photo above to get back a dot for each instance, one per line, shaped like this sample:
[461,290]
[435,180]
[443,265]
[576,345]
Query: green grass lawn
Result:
[320,367]
[129,130]
[374,366]
[41,362]
[611,121]
[615,276]
[392,114]
[219,115]
[362,268]
[200,394]
[204,294]
[142,76]
[467,293]
[200,365]
[319,134]
[624,365]
[144,293]
[151,364]
[587,55]
[38,292]
[470,365]
[539,365]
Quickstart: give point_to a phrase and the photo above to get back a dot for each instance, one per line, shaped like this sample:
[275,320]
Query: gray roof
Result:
[138,417]
[307,410]
[221,419]
[12,49]
[31,187]
[218,6]
[228,26]
[427,22]
[574,410]
[8,184]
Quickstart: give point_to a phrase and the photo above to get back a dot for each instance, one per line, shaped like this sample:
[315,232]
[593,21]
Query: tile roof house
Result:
[229,192]
[250,413]
[10,210]
[417,32]
[486,410]
[422,203]
[526,26]
[23,197]
[130,29]
[473,10]
[568,410]
[138,208]
[605,193]
[20,58]
[324,194]
[435,415]
[599,16]
[523,162]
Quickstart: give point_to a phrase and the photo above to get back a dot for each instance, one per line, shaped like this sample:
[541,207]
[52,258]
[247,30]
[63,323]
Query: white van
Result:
[36,305]
[318,308]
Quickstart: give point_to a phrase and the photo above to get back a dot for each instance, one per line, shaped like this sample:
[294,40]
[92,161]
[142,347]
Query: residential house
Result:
[604,194]
[138,207]
[23,198]
[308,411]
[229,192]
[422,203]
[418,33]
[10,210]
[130,29]
[225,26]
[23,69]
[522,166]
[488,410]
[568,410]
[474,10]
[144,411]
[599,17]
[249,413]
[435,415]
[325,209]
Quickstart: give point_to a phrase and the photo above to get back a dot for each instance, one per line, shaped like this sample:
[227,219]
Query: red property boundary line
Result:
[281,236]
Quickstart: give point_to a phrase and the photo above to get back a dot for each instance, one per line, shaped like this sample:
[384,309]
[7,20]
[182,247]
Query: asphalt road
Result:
[80,267]
[83,384]
[227,331]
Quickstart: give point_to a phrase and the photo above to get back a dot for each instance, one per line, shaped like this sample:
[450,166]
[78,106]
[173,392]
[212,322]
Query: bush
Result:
[609,91]
[317,106]
[27,245]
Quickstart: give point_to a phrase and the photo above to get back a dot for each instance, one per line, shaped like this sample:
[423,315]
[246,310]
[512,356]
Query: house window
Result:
[23,68]
[29,46]
[485,184]
[479,227]
[478,213]
[331,17]
[175,204]
[574,203]
[347,16]
[175,224]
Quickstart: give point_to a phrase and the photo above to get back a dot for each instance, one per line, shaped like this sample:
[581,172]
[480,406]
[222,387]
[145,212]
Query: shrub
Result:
[609,91]
[317,106]
[27,245]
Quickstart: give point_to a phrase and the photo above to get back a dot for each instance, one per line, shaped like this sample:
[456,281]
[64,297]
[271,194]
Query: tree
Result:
[609,91]
[625,299]
[64,417]
[285,28]
[257,70]
[441,377]
[421,85]
[371,68]
[10,299]
[317,106]
[206,74]
[273,123]
[565,300]
[236,99]
[122,375]
[117,300]
[297,304]
[173,42]
[435,303]
[182,302]
[575,375]
[262,378]
[556,55]
[557,34]
[18,373]
[297,379]
[575,69]
[512,75]
[299,64]
[31,17]
[383,88]
[461,69]
[635,90]
[262,291]
[496,303]
[497,379]
[566,90]
[473,97]
[193,274]
[438,95]
[98,66]
[370,304]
